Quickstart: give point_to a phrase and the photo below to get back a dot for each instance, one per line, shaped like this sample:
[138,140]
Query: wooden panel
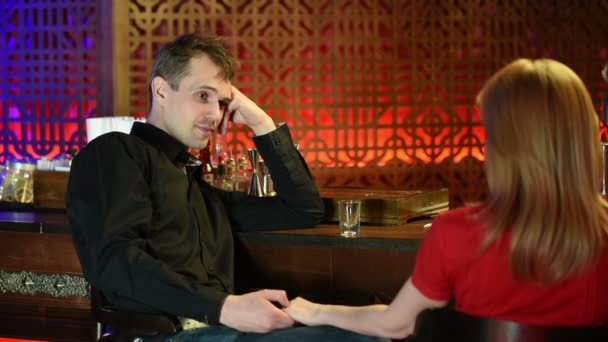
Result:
[50,188]
[289,267]
[380,272]
[324,269]
[46,253]
[121,51]
[40,317]
[47,301]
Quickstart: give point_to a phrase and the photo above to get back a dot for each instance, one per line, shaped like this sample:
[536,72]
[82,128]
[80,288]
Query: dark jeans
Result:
[296,334]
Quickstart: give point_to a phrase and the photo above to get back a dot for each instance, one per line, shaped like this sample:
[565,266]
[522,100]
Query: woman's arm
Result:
[396,320]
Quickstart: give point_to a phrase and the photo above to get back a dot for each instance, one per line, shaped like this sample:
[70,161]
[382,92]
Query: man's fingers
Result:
[236,92]
[225,119]
[278,296]
[282,319]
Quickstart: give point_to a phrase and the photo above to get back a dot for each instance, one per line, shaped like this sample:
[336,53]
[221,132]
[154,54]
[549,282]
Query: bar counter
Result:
[405,237]
[44,296]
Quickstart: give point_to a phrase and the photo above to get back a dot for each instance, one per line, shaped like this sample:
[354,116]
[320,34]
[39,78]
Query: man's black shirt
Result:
[154,237]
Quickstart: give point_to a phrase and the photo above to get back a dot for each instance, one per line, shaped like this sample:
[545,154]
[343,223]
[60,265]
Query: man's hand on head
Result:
[242,110]
[256,311]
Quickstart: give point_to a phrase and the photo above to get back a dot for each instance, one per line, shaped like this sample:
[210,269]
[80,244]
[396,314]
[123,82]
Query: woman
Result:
[534,250]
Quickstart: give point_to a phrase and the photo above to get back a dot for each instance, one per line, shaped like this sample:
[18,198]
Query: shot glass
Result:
[349,213]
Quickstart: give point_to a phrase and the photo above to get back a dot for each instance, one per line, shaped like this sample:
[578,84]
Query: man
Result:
[151,235]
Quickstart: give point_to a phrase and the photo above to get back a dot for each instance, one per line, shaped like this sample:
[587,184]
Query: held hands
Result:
[303,311]
[255,312]
[243,110]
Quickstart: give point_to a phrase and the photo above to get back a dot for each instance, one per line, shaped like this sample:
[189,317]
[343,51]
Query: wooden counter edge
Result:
[412,231]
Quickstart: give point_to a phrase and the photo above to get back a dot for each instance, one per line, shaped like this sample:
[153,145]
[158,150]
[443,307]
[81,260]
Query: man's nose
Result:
[215,116]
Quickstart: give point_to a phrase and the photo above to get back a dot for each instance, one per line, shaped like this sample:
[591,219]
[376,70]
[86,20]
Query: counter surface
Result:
[405,237]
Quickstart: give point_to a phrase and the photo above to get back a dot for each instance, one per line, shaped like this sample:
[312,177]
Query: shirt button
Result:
[210,268]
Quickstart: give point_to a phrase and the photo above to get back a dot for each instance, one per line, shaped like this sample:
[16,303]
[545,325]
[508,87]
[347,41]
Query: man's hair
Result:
[543,164]
[172,61]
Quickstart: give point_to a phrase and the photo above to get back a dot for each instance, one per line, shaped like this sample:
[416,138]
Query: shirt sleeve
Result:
[430,274]
[110,211]
[297,204]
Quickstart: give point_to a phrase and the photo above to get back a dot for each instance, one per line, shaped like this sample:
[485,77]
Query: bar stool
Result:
[447,324]
[117,325]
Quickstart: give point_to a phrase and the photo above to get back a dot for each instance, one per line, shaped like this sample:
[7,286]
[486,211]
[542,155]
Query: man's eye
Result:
[202,96]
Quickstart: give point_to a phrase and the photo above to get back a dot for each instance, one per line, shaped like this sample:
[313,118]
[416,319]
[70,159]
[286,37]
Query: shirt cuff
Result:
[209,309]
[279,139]
[282,158]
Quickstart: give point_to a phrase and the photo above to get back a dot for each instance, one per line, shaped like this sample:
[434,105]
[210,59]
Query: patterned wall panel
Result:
[48,76]
[378,93]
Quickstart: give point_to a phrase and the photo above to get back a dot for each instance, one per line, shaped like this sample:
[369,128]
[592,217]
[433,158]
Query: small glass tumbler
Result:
[349,213]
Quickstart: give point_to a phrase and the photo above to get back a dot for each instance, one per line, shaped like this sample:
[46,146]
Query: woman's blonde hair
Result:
[543,164]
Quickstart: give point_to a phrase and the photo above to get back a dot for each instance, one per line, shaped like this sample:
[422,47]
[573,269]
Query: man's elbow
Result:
[310,215]
[318,213]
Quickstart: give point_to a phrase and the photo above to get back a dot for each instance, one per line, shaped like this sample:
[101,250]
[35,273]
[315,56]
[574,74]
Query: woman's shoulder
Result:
[458,231]
[459,220]
[463,215]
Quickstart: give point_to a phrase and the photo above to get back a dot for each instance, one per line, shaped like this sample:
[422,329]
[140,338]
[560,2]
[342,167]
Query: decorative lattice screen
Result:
[48,76]
[378,93]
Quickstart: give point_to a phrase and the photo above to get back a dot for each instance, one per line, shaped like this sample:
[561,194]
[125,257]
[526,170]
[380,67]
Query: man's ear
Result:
[159,88]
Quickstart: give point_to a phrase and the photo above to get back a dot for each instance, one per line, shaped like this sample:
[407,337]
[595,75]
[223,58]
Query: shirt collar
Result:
[162,141]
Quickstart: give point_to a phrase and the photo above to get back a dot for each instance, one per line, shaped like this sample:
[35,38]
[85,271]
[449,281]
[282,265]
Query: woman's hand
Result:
[304,311]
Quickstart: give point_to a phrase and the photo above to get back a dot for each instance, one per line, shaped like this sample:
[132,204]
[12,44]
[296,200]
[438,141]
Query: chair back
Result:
[115,324]
[447,324]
